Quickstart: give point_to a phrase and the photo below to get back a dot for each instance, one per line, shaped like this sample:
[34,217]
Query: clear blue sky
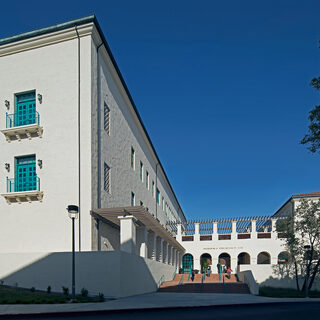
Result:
[222,87]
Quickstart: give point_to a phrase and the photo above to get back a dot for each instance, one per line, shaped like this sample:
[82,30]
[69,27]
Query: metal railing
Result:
[161,281]
[16,185]
[14,120]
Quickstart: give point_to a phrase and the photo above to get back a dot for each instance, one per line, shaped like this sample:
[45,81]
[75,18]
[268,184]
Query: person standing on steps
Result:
[229,273]
[192,276]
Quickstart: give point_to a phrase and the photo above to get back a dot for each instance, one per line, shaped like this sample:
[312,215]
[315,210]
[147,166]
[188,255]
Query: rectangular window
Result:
[153,189]
[133,200]
[141,203]
[106,119]
[106,178]
[158,196]
[147,180]
[25,109]
[141,171]
[25,173]
[163,203]
[132,158]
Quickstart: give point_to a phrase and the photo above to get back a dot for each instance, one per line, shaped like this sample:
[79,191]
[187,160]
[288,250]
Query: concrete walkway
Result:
[147,301]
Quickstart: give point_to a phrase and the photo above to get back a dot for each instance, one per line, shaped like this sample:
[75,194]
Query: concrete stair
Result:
[211,284]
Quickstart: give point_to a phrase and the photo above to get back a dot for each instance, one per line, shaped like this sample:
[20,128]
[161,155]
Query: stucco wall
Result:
[125,132]
[114,273]
[277,276]
[52,71]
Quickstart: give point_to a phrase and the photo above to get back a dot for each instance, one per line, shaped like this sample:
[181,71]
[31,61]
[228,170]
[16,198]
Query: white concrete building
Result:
[71,134]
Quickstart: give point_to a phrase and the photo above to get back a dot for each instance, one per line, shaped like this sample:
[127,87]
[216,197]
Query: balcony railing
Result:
[17,185]
[15,120]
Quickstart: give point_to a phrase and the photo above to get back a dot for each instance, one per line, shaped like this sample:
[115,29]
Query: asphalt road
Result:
[281,311]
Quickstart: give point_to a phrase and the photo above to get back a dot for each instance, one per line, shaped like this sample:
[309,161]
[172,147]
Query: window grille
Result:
[106,119]
[132,158]
[147,180]
[141,171]
[106,178]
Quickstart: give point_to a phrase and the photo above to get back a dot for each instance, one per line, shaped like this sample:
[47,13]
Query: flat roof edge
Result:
[53,28]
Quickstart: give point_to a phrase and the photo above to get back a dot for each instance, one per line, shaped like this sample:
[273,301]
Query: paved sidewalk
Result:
[147,301]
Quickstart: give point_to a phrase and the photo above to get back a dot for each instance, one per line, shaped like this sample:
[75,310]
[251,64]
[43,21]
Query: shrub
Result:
[33,289]
[101,296]
[65,291]
[49,289]
[84,292]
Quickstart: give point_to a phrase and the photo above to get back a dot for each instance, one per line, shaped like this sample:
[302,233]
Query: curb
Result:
[136,310]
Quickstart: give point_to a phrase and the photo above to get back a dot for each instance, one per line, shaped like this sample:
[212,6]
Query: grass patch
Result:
[285,293]
[9,295]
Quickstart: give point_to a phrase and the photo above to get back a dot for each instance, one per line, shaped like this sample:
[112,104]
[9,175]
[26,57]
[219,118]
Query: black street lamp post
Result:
[73,214]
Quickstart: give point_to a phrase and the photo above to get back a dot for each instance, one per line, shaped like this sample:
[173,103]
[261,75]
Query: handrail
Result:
[180,283]
[174,274]
[224,285]
[220,273]
[161,281]
[189,274]
[204,277]
[201,284]
[13,185]
[12,120]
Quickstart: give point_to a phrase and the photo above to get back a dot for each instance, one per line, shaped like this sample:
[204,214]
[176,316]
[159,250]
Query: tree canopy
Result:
[303,229]
[312,138]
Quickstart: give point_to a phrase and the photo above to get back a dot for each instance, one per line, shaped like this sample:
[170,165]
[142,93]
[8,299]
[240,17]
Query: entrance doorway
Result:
[187,263]
[224,260]
[205,262]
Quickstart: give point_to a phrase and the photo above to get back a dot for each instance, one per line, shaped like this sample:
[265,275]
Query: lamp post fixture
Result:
[307,253]
[73,214]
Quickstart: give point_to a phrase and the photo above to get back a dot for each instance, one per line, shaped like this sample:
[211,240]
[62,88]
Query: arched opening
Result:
[205,262]
[187,263]
[243,258]
[283,257]
[224,260]
[264,258]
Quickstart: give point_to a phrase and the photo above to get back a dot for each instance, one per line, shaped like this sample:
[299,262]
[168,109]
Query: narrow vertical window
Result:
[106,119]
[141,203]
[147,180]
[25,110]
[158,196]
[106,178]
[133,200]
[141,171]
[25,174]
[162,203]
[132,158]
[153,189]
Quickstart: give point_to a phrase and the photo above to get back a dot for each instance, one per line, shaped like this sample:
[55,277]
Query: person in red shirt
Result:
[229,272]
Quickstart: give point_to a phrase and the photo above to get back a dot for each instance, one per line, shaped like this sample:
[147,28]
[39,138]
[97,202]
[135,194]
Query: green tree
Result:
[300,230]
[312,138]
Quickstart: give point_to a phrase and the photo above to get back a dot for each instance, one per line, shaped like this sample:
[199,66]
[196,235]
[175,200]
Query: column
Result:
[154,251]
[127,234]
[215,231]
[233,263]
[254,229]
[274,234]
[165,252]
[196,232]
[169,254]
[174,257]
[142,241]
[179,232]
[234,234]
